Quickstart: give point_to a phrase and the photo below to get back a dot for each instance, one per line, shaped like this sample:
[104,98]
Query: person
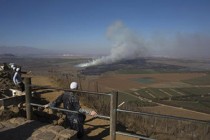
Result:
[70,101]
[12,66]
[18,80]
[6,67]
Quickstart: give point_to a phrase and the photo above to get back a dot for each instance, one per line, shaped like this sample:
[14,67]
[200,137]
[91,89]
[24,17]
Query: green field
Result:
[194,98]
[192,105]
[128,98]
[194,90]
[137,71]
[145,80]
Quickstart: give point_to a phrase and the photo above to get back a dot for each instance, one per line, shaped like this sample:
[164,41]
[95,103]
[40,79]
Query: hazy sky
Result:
[81,25]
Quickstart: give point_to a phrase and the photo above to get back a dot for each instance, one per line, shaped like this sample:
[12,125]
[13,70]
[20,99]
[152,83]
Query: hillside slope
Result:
[95,128]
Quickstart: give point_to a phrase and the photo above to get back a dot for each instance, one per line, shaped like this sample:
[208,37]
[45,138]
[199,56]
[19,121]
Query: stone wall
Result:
[21,129]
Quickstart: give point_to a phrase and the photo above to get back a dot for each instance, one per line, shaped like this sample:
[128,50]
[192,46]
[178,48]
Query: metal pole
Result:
[65,110]
[113,115]
[163,116]
[27,81]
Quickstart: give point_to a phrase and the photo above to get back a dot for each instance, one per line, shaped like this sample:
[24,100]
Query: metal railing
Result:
[113,105]
[113,111]
[66,110]
[163,116]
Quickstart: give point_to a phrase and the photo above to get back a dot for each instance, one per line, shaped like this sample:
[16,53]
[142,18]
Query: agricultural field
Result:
[138,81]
[204,80]
[147,81]
[193,98]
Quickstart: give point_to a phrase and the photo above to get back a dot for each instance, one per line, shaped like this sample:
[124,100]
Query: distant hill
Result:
[23,51]
[8,55]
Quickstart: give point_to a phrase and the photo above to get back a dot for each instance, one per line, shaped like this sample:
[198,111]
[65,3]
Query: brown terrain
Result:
[95,128]
[99,128]
[127,82]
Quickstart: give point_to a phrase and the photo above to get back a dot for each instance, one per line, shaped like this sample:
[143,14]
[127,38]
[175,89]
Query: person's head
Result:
[17,69]
[11,64]
[14,68]
[74,86]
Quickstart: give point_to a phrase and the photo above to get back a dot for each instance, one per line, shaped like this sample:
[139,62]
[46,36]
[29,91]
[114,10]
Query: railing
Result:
[113,106]
[113,111]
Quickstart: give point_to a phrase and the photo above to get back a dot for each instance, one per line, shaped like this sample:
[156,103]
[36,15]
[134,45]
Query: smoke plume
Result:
[126,45]
[180,45]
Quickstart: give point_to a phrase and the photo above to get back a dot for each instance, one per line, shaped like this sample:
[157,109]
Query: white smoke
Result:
[126,45]
[180,45]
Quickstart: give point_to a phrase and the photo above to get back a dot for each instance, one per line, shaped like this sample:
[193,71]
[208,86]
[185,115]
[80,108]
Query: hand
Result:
[93,113]
[46,106]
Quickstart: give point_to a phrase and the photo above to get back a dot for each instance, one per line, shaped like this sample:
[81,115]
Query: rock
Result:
[6,114]
[1,126]
[20,120]
[46,110]
[61,138]
[1,108]
[13,120]
[9,124]
[6,80]
[55,122]
[56,129]
[44,128]
[46,136]
[67,133]
[63,117]
[35,133]
[31,138]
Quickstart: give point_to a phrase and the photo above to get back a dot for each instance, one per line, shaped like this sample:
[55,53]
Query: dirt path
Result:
[49,95]
[95,128]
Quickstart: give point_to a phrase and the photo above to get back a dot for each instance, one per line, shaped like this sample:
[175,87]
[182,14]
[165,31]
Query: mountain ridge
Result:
[23,50]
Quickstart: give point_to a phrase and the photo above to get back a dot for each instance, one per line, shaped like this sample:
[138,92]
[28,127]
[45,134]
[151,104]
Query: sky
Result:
[166,27]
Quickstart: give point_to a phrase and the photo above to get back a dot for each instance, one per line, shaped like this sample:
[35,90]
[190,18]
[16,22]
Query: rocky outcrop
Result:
[6,80]
[21,129]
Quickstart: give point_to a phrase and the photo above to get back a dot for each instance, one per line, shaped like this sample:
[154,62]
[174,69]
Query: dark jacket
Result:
[70,102]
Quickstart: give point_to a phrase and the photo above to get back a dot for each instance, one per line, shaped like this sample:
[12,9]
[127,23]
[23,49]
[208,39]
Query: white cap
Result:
[73,85]
[17,69]
[12,65]
[14,68]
